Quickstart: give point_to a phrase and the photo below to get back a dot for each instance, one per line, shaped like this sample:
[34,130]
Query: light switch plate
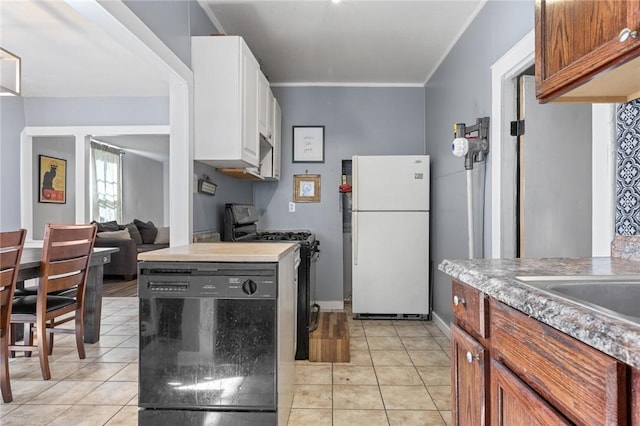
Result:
[292,207]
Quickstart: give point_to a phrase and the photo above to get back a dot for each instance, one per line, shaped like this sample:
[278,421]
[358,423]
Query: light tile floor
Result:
[399,374]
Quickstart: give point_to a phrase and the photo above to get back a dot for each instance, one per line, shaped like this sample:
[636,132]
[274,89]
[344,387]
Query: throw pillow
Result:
[147,230]
[133,231]
[115,235]
[107,226]
[162,237]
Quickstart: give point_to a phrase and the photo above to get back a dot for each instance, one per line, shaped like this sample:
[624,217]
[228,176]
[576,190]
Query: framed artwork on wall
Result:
[306,188]
[308,144]
[53,180]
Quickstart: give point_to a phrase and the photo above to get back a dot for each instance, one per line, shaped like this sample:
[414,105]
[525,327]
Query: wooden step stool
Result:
[330,341]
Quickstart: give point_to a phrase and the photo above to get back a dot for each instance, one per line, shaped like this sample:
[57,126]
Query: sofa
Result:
[131,239]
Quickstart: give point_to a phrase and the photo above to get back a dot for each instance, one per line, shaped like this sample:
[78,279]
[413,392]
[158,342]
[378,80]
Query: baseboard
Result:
[330,304]
[440,324]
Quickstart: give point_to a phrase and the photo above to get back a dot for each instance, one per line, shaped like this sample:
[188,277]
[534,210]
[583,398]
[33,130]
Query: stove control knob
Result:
[249,287]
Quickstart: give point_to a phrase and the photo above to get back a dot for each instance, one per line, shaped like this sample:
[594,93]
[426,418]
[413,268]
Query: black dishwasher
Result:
[208,343]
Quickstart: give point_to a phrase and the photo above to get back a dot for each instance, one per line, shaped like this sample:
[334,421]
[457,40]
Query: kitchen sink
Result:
[618,296]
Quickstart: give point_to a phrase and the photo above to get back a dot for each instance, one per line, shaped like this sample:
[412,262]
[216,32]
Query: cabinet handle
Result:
[625,34]
[457,301]
[471,357]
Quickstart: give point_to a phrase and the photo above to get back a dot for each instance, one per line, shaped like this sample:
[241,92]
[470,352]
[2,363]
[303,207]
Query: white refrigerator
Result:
[390,235]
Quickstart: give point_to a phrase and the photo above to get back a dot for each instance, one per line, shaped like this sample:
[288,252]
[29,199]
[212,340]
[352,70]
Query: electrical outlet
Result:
[292,207]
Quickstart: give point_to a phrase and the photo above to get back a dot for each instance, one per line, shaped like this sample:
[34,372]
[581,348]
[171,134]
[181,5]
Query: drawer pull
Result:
[457,301]
[471,357]
[626,33]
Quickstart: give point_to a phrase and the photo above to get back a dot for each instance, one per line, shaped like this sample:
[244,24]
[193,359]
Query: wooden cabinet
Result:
[225,102]
[510,369]
[469,375]
[579,53]
[514,403]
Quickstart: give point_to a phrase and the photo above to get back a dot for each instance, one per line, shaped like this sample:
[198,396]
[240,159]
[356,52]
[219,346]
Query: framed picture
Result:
[308,144]
[53,180]
[306,188]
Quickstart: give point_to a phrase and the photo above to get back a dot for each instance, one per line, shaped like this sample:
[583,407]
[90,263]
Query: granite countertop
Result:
[497,278]
[221,252]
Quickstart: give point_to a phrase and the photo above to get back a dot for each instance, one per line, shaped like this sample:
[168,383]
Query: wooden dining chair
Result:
[11,245]
[60,294]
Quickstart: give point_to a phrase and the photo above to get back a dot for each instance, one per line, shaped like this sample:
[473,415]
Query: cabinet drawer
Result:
[586,385]
[470,308]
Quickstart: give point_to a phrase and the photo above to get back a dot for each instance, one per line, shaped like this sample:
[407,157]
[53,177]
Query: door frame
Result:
[504,74]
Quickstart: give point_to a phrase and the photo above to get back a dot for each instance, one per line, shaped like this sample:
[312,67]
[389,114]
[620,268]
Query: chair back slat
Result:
[9,258]
[64,283]
[64,233]
[12,238]
[6,277]
[69,249]
[66,266]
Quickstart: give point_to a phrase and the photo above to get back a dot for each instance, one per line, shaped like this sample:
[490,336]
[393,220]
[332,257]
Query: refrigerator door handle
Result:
[354,224]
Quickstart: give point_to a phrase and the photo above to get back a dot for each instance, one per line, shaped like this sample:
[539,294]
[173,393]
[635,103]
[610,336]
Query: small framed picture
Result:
[53,180]
[306,188]
[308,144]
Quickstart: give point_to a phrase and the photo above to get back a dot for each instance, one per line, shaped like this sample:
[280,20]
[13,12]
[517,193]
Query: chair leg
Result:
[5,381]
[80,333]
[43,350]
[27,338]
[51,340]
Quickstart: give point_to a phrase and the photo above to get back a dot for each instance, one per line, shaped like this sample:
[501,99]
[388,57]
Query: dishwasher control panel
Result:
[216,280]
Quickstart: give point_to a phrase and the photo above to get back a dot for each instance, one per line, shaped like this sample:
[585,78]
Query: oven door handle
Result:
[315,317]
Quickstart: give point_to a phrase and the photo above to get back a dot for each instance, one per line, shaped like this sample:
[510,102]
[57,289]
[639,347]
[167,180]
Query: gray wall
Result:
[364,121]
[460,91]
[11,124]
[116,111]
[142,189]
[59,147]
[173,22]
[208,210]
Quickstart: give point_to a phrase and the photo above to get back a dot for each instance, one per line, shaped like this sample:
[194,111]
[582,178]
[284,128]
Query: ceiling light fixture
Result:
[335,1]
[10,73]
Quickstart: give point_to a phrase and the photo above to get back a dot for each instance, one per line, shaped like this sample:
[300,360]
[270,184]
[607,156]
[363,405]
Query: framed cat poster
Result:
[53,180]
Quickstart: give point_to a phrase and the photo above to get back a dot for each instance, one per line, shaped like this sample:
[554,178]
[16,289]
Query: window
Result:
[106,188]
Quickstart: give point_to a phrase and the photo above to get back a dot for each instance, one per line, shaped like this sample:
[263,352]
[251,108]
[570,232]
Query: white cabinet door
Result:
[277,136]
[225,102]
[250,135]
[270,113]
[263,104]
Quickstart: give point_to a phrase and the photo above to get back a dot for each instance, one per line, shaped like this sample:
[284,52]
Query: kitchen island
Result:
[217,333]
[519,351]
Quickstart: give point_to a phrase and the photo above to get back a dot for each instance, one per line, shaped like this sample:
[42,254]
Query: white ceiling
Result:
[65,55]
[354,42]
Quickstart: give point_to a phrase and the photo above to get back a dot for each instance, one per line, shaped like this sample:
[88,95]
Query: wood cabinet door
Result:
[514,403]
[578,39]
[469,376]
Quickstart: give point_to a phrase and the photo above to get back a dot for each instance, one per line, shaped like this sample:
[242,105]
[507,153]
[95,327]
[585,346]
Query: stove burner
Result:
[282,236]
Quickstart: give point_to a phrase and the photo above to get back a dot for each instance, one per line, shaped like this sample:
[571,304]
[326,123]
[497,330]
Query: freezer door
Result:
[390,263]
[388,183]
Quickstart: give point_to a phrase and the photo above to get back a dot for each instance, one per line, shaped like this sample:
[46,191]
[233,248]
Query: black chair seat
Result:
[27,304]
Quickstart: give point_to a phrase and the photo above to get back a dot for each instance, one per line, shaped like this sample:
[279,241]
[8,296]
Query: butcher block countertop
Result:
[221,252]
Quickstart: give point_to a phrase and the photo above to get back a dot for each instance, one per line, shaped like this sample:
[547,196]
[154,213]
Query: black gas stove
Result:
[241,224]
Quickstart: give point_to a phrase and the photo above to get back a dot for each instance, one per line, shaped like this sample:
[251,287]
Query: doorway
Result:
[553,174]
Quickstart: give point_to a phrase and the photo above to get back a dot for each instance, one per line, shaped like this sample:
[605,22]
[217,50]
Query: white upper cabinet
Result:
[270,112]
[277,136]
[264,91]
[226,77]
